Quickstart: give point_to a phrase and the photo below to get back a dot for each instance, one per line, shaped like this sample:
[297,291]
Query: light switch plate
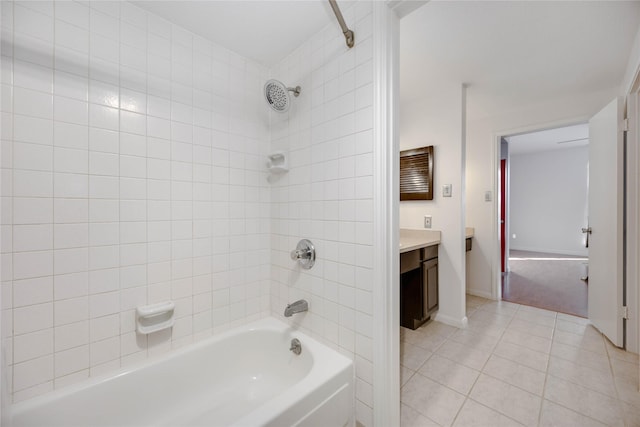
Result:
[446,190]
[487,196]
[427,221]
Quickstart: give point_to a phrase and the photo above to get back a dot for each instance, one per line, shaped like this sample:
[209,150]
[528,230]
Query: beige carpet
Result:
[546,281]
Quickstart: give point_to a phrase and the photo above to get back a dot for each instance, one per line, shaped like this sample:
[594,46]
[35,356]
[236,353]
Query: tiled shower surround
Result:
[134,171]
[327,196]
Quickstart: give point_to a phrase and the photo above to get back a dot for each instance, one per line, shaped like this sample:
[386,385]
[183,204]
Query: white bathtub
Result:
[244,377]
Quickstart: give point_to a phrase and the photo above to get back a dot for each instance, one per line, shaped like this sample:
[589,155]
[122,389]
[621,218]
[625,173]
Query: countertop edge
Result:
[417,239]
[420,245]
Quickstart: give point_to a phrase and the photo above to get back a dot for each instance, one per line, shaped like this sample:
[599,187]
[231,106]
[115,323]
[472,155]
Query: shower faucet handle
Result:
[297,254]
[304,253]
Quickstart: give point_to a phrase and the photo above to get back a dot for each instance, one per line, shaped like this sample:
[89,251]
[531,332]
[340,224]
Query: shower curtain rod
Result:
[348,34]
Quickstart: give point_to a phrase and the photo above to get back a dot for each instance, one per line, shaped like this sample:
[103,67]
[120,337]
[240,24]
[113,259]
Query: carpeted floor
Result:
[546,281]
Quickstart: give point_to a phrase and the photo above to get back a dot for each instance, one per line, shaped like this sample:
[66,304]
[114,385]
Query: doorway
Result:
[543,208]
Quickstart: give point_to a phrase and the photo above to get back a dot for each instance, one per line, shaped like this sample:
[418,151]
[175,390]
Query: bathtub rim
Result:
[268,323]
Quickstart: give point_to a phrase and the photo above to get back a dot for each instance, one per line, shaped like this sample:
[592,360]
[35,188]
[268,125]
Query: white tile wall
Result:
[131,174]
[327,196]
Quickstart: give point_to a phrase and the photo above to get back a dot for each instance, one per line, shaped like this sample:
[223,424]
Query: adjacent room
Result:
[546,198]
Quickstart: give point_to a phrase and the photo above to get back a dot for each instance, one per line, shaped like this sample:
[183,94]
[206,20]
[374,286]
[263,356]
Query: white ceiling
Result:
[513,53]
[550,139]
[265,31]
[510,53]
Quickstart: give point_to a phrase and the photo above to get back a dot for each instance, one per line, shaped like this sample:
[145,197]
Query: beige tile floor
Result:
[516,365]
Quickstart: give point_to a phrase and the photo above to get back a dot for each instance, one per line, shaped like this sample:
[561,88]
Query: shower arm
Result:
[348,34]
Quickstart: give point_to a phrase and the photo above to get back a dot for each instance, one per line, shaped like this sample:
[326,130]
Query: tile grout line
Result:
[468,394]
[615,383]
[481,371]
[546,374]
[416,372]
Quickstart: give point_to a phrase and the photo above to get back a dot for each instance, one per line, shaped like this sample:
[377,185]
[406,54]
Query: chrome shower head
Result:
[277,95]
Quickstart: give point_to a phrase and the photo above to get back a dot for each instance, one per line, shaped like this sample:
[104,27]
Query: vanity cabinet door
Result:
[430,286]
[411,297]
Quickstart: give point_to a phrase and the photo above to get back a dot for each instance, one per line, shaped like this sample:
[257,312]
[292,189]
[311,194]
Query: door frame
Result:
[385,343]
[504,214]
[631,91]
[633,208]
[633,216]
[496,270]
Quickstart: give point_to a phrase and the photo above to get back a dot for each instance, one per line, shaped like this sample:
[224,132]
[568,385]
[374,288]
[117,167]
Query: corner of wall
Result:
[327,194]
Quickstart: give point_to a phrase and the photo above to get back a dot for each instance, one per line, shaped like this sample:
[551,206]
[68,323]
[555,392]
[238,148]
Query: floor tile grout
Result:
[478,338]
[546,374]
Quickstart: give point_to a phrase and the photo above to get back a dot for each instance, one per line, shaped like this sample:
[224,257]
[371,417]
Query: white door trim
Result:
[496,275]
[633,218]
[386,270]
[633,210]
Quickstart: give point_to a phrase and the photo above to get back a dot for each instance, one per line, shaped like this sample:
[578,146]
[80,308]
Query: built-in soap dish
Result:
[278,162]
[154,317]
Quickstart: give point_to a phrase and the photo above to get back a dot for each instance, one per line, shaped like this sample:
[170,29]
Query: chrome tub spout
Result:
[296,307]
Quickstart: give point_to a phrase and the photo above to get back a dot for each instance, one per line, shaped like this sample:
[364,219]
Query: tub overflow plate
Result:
[296,347]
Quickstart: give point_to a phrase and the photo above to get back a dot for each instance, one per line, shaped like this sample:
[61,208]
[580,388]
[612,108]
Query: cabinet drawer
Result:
[409,261]
[430,252]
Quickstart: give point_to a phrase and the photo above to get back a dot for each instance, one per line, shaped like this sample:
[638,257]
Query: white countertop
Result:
[416,239]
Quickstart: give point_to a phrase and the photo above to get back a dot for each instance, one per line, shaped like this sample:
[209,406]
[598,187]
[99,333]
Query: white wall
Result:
[132,172]
[327,196]
[437,119]
[481,169]
[548,201]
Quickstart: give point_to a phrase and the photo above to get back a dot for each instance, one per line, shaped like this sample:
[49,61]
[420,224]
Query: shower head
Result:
[277,95]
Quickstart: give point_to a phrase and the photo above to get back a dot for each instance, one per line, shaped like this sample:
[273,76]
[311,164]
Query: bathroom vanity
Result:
[418,276]
[468,237]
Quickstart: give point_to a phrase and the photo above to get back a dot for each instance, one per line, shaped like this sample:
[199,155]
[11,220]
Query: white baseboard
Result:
[452,321]
[551,251]
[479,293]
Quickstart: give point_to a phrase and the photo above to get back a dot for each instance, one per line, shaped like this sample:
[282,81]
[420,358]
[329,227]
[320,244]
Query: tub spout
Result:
[296,307]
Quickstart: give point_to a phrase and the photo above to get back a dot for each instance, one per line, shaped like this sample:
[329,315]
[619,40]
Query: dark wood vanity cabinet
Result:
[418,286]
[430,286]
